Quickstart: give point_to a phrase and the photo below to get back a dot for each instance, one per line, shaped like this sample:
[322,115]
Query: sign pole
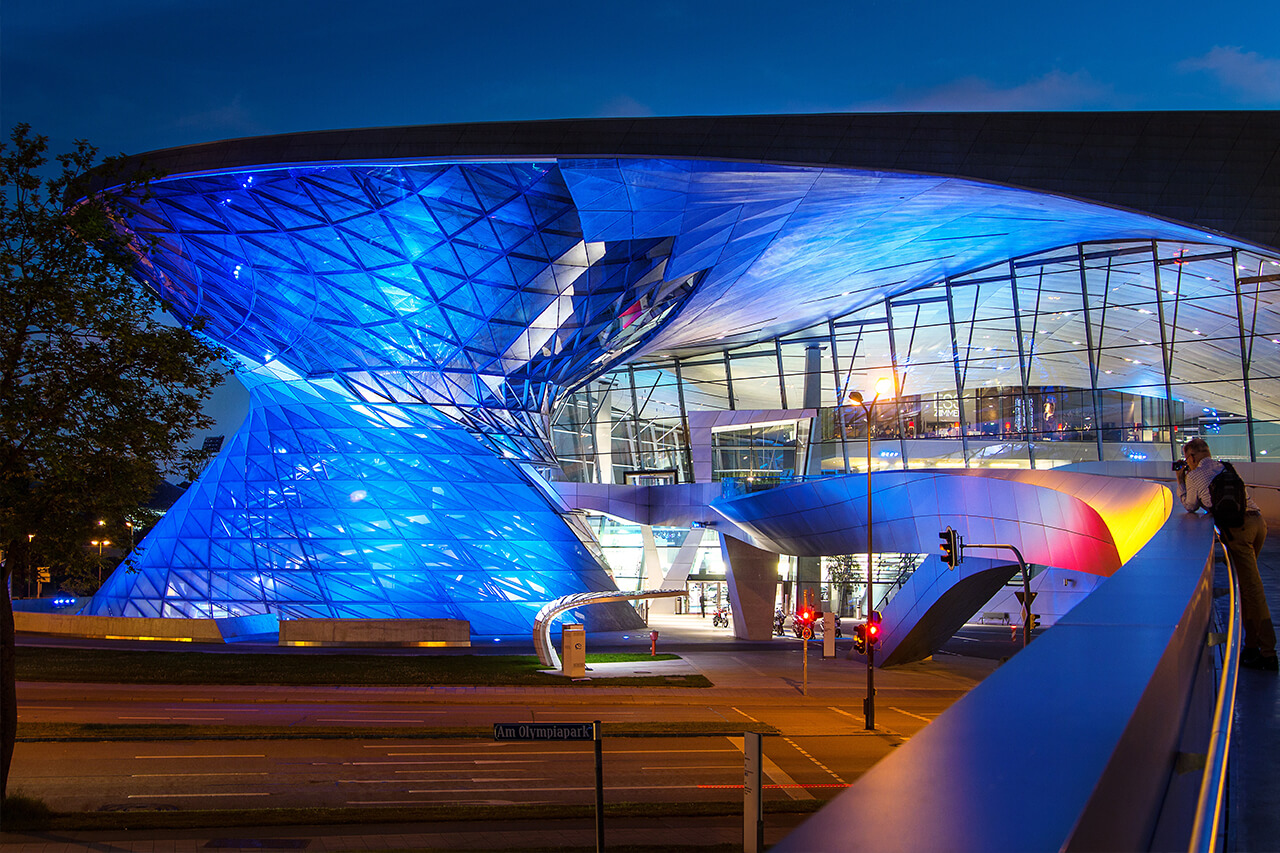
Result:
[1026,596]
[752,801]
[595,731]
[805,634]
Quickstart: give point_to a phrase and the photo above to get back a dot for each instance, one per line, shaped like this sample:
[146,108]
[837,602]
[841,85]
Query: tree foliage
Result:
[98,398]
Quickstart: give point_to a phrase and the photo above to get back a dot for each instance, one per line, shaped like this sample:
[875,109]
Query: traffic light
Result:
[1035,621]
[805,615]
[952,547]
[860,638]
[874,630]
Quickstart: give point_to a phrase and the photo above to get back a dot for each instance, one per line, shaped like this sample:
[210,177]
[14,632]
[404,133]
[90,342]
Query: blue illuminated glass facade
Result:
[323,506]
[410,330]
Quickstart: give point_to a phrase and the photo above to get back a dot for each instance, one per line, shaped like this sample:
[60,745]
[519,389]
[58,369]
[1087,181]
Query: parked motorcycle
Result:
[720,618]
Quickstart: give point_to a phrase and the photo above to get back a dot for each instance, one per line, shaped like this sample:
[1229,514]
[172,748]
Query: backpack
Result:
[1227,499]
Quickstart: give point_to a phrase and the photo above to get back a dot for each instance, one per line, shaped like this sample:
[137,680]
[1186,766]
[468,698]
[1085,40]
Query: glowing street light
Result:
[883,387]
[101,543]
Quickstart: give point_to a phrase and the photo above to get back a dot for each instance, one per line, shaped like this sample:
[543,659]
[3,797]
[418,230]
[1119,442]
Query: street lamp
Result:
[100,543]
[884,385]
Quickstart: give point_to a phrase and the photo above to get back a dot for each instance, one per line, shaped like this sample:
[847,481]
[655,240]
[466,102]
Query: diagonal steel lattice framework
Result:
[407,331]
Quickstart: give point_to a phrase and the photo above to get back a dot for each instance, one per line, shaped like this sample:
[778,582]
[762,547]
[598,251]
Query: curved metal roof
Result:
[1217,170]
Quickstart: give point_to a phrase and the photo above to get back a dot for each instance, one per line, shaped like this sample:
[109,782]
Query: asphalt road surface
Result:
[296,773]
[822,747]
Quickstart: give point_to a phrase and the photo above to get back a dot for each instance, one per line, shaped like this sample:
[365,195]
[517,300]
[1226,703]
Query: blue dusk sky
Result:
[139,75]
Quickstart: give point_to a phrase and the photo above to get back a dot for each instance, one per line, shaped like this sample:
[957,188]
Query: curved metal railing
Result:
[1210,805]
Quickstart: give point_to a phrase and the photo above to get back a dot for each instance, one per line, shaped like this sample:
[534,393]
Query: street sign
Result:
[1021,596]
[543,731]
[564,731]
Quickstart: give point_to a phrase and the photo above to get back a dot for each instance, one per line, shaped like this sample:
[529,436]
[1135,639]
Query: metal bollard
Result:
[653,643]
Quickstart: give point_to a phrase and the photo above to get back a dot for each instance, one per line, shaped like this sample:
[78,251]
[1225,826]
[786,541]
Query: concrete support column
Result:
[752,575]
[653,578]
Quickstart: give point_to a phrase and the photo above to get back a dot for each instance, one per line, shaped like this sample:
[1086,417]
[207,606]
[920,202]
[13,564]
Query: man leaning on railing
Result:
[1243,542]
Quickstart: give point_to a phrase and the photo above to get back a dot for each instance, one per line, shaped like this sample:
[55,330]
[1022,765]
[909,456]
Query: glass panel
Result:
[755,381]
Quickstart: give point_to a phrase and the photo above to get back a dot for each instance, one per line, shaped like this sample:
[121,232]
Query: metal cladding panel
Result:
[1044,519]
[323,506]
[1213,169]
[468,287]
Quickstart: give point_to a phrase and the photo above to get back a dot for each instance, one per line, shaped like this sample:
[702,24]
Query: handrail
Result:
[1209,807]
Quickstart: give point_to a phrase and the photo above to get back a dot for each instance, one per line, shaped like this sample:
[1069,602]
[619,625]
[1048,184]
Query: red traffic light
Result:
[873,629]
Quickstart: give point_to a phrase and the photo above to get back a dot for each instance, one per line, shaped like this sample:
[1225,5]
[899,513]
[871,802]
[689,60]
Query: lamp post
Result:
[882,386]
[101,543]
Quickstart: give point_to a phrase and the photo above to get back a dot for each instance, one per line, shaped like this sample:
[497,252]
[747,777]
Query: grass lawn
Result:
[164,667]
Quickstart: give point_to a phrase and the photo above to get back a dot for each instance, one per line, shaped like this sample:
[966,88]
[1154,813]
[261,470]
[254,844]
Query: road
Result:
[822,746]
[297,773]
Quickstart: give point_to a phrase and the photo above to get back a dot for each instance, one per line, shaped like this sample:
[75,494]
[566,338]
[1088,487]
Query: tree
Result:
[98,399]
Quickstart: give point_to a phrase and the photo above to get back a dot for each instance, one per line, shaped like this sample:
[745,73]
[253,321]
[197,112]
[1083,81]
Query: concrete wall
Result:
[433,633]
[118,627]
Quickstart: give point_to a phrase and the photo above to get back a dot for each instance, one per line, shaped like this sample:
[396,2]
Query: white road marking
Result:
[882,730]
[183,775]
[471,779]
[454,762]
[438,746]
[390,711]
[909,714]
[659,751]
[362,720]
[169,718]
[778,775]
[464,802]
[803,752]
[225,755]
[442,770]
[587,788]
[744,713]
[569,754]
[236,794]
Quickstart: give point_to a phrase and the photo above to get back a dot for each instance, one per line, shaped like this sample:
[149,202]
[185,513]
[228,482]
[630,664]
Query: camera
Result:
[1179,465]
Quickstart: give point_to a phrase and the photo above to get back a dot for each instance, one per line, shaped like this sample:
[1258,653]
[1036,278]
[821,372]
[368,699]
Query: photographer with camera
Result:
[1204,482]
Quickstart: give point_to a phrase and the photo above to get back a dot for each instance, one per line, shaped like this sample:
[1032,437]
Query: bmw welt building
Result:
[491,365]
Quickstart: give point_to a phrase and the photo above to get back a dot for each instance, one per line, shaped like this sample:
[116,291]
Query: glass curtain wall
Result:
[1099,351]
